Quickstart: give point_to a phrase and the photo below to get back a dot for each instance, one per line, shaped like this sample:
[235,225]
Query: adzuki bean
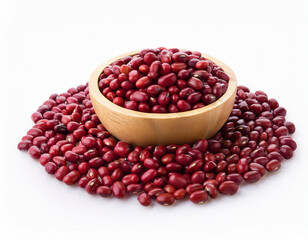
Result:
[71,143]
[151,82]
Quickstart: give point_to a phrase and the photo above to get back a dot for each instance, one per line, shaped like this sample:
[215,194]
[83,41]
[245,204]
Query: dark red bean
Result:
[178,181]
[257,167]
[273,165]
[184,159]
[252,176]
[193,187]
[139,96]
[92,185]
[154,70]
[167,80]
[50,167]
[149,175]
[154,192]
[290,126]
[211,190]
[122,149]
[144,199]
[198,177]
[24,145]
[286,151]
[118,189]
[130,179]
[134,188]
[61,172]
[183,105]
[83,181]
[165,199]
[71,177]
[103,191]
[198,197]
[235,177]
[289,142]
[228,188]
[35,152]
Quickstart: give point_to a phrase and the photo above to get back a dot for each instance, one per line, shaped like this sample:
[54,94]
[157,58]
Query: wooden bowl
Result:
[143,129]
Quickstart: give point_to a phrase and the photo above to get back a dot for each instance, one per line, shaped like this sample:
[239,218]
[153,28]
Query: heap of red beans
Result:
[71,143]
[163,80]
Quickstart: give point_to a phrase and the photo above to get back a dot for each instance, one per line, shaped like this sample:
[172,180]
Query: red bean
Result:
[61,172]
[228,188]
[71,177]
[211,190]
[144,199]
[183,105]
[83,181]
[235,177]
[167,80]
[195,166]
[134,188]
[133,76]
[24,145]
[193,187]
[195,83]
[70,141]
[149,175]
[154,192]
[242,166]
[178,181]
[164,98]
[201,145]
[103,191]
[92,185]
[288,141]
[118,189]
[130,179]
[273,165]
[184,159]
[71,156]
[34,151]
[165,199]
[198,197]
[257,167]
[290,126]
[50,167]
[122,149]
[169,188]
[154,70]
[252,176]
[286,151]
[198,177]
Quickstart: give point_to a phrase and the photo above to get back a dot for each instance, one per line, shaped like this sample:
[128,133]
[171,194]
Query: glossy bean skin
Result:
[118,189]
[71,178]
[179,194]
[211,190]
[273,165]
[252,176]
[165,199]
[144,199]
[228,188]
[198,197]
[178,181]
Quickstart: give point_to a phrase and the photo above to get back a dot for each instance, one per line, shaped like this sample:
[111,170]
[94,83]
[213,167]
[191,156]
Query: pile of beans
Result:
[72,144]
[163,80]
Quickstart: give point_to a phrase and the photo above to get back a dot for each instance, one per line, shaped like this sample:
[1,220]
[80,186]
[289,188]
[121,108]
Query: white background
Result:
[49,46]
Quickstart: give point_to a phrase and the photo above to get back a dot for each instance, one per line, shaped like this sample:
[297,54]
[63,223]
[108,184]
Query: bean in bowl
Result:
[163,80]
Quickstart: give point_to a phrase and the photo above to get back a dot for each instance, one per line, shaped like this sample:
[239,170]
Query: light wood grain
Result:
[143,129]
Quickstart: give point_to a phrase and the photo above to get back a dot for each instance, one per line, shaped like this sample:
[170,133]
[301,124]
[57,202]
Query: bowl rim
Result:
[95,92]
